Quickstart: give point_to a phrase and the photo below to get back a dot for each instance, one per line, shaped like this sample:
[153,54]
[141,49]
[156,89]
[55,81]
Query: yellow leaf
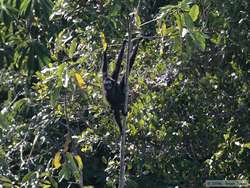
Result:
[179,22]
[79,80]
[161,51]
[137,20]
[194,12]
[79,161]
[67,142]
[163,29]
[56,161]
[247,145]
[104,43]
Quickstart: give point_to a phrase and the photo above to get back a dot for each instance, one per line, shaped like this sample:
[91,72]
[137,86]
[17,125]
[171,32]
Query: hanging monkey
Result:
[114,90]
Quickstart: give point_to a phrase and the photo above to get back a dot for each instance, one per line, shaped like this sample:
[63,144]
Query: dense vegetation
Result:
[189,96]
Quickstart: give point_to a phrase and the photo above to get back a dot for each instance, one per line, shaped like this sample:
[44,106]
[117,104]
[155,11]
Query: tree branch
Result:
[124,123]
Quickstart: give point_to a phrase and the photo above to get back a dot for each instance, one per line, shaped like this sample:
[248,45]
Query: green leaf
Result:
[226,136]
[55,93]
[72,48]
[132,129]
[73,166]
[7,185]
[184,5]
[188,22]
[28,176]
[18,104]
[247,145]
[194,12]
[4,179]
[218,154]
[43,54]
[3,118]
[199,39]
[25,7]
[60,71]
[179,22]
[141,122]
[65,172]
[7,13]
[216,39]
[53,182]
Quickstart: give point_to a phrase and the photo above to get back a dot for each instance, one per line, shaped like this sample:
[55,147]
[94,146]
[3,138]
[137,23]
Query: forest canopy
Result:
[188,98]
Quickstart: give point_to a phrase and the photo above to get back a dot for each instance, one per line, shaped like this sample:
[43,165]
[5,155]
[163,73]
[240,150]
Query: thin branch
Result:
[33,146]
[65,105]
[124,123]
[138,6]
[150,21]
[151,37]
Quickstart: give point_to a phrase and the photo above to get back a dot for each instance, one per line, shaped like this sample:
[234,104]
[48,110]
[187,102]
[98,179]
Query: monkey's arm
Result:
[104,65]
[118,62]
[133,55]
[131,60]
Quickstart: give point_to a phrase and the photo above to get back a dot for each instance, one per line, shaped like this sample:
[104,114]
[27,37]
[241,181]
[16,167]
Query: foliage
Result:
[189,93]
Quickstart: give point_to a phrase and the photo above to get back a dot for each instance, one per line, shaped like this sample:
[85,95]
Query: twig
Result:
[33,146]
[151,37]
[81,178]
[138,6]
[153,20]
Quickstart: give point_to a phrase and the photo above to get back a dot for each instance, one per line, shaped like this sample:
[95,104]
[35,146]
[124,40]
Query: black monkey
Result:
[114,90]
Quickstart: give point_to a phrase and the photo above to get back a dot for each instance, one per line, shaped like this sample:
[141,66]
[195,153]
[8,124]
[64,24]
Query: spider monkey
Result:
[114,90]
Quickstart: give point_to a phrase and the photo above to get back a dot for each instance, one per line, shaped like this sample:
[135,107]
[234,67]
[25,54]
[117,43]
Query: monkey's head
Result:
[108,83]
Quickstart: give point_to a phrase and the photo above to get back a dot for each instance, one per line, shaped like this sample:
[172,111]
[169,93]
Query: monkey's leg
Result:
[118,62]
[123,112]
[118,119]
